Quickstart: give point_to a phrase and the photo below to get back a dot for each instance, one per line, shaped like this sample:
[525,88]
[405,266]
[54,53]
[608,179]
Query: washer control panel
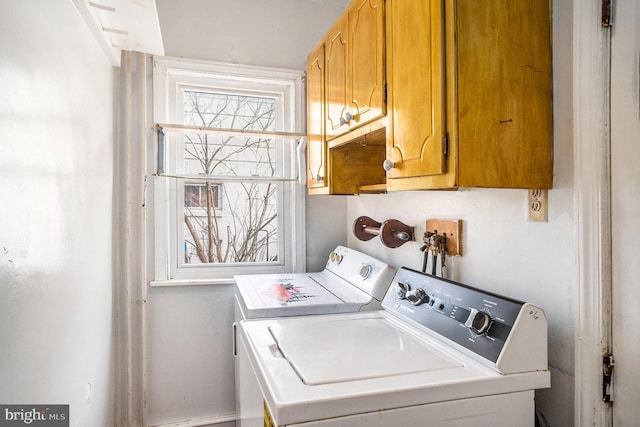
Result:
[479,321]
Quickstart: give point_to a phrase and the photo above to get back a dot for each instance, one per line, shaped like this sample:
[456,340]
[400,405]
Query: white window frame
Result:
[171,75]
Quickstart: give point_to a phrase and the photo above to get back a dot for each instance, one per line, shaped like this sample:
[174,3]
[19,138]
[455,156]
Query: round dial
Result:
[417,296]
[402,289]
[335,257]
[478,321]
[366,270]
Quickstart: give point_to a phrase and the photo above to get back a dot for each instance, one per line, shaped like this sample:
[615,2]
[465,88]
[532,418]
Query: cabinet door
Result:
[337,98]
[316,145]
[415,74]
[504,94]
[366,61]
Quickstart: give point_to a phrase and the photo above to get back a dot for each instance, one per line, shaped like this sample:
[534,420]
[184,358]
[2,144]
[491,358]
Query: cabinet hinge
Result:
[606,13]
[445,145]
[607,378]
[384,95]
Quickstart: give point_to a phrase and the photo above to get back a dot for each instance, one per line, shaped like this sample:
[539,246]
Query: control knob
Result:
[478,321]
[335,257]
[417,296]
[365,271]
[402,289]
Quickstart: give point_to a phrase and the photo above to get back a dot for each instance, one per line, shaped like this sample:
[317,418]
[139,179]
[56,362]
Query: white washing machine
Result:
[439,353]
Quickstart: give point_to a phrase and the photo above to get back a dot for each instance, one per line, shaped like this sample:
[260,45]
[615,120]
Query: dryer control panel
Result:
[366,272]
[510,334]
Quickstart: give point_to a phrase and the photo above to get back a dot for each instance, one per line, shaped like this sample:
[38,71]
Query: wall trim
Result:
[592,193]
[129,290]
[216,420]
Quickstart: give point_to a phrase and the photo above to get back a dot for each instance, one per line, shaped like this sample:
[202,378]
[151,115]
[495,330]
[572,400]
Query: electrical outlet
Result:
[538,205]
[452,229]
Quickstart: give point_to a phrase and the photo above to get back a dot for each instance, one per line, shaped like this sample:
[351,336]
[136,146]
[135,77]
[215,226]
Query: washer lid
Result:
[279,290]
[274,295]
[333,351]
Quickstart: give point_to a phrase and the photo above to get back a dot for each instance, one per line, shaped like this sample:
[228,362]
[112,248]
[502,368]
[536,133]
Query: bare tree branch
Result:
[199,249]
[249,210]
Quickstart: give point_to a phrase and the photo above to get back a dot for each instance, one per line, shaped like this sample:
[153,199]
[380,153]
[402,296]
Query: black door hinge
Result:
[607,378]
[606,13]
[384,95]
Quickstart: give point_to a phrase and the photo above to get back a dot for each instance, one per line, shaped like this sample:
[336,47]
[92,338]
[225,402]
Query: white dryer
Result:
[351,281]
[439,354]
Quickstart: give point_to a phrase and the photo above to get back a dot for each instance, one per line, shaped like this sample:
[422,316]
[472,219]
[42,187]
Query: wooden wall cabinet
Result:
[346,105]
[470,94]
[317,181]
[468,97]
[354,72]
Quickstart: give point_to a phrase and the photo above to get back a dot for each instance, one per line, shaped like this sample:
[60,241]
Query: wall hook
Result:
[392,232]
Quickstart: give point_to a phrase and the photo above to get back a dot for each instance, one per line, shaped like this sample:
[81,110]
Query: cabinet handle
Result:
[388,165]
[346,118]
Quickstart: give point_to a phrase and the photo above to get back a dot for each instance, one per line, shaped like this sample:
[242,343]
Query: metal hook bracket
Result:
[393,233]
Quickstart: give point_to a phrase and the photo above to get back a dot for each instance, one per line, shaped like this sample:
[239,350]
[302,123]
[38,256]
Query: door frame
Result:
[592,208]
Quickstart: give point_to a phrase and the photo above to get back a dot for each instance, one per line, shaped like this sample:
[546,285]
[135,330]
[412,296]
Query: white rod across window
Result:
[278,136]
[225,178]
[224,131]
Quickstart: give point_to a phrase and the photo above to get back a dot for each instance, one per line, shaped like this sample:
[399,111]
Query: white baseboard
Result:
[214,421]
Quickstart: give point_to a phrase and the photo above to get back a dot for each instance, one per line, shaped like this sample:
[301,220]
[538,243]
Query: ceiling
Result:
[133,24]
[123,25]
[342,3]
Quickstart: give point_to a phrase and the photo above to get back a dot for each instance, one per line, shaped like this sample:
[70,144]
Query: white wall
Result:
[189,355]
[56,133]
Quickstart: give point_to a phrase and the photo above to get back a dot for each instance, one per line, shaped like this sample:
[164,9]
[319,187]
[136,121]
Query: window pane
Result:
[195,195]
[229,111]
[229,156]
[224,154]
[245,230]
[230,222]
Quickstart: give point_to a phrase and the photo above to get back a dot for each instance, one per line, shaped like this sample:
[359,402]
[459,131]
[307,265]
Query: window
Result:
[227,200]
[201,196]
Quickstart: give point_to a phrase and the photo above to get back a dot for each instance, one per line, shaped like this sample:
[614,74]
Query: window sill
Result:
[192,282]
